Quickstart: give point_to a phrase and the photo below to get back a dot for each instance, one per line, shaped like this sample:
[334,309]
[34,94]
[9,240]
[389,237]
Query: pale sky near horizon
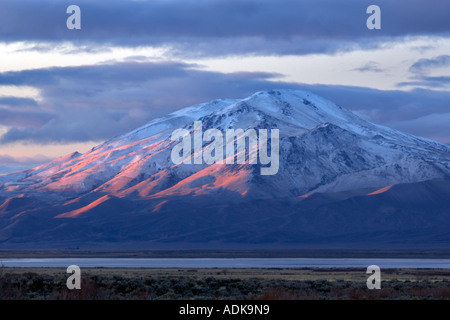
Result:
[68,90]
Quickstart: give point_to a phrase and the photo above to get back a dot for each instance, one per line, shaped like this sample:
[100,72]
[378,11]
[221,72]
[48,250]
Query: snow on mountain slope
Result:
[323,148]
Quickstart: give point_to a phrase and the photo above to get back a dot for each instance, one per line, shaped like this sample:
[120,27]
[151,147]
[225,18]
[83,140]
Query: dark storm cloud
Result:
[92,103]
[221,27]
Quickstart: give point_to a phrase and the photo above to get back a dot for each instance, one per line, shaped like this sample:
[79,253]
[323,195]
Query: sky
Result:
[65,90]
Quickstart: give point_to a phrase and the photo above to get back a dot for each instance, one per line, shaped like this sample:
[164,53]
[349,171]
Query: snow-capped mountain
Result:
[323,149]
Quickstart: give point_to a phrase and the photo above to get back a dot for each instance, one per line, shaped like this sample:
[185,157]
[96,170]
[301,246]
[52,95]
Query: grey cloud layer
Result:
[92,103]
[423,66]
[10,164]
[203,27]
[97,102]
[421,69]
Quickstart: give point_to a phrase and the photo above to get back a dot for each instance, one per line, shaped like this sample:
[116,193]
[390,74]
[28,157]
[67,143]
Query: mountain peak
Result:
[289,110]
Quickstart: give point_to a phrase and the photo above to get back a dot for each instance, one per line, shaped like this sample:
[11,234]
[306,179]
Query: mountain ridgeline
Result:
[341,182]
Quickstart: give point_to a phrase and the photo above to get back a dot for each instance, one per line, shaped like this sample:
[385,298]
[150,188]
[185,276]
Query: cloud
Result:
[434,126]
[255,75]
[429,82]
[223,27]
[24,117]
[7,159]
[421,70]
[92,103]
[9,164]
[424,66]
[401,110]
[370,66]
